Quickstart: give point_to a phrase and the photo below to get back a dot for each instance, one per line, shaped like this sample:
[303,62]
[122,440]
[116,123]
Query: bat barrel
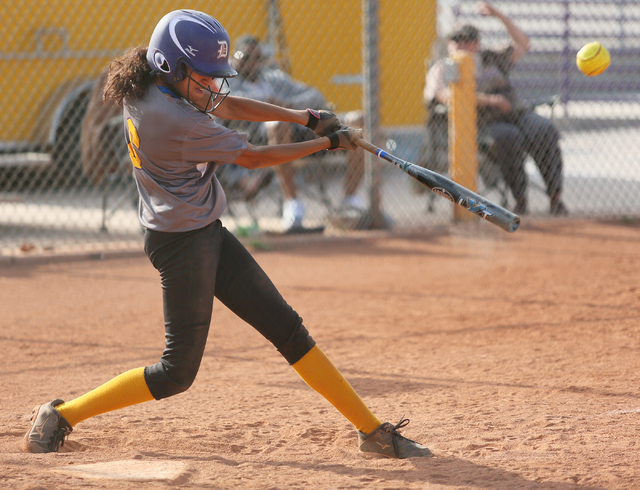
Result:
[451,190]
[462,196]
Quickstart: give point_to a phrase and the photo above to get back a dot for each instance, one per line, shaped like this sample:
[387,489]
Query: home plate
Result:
[133,470]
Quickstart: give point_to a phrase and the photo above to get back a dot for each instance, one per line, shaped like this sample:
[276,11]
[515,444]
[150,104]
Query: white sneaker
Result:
[292,214]
[353,201]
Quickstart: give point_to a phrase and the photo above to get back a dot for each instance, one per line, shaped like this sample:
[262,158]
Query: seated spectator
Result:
[260,78]
[508,129]
[101,144]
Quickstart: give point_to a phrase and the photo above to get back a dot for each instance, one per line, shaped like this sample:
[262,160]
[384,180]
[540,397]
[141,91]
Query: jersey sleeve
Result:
[211,142]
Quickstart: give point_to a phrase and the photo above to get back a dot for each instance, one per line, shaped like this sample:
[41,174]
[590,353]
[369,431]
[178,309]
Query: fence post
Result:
[370,102]
[568,59]
[463,131]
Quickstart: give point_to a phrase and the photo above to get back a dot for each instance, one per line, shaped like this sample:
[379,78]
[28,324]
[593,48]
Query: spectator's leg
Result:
[281,133]
[292,209]
[542,142]
[504,144]
[354,173]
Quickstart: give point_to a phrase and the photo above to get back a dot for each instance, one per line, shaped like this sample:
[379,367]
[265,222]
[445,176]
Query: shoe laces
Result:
[393,430]
[58,437]
[403,423]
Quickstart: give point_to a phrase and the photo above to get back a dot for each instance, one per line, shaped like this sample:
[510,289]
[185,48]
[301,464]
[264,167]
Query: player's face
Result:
[200,90]
[195,87]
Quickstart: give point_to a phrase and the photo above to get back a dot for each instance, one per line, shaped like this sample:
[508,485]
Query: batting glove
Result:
[344,138]
[322,122]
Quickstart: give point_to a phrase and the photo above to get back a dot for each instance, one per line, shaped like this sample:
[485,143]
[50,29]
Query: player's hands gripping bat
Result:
[322,122]
[448,189]
[344,138]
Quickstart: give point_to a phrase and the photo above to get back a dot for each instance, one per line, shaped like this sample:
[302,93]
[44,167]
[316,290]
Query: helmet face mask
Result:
[191,39]
[212,98]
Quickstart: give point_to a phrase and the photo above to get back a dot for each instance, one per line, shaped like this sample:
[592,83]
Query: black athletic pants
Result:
[194,267]
[525,132]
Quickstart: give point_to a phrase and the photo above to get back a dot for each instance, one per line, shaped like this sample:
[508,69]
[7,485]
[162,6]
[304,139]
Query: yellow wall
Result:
[323,37]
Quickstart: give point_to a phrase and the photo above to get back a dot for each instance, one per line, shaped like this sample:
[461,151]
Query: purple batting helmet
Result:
[192,38]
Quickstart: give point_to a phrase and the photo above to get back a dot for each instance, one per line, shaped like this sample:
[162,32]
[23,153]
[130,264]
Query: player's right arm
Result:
[268,156]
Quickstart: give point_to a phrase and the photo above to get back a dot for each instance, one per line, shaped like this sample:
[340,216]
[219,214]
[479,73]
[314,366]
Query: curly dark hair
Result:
[129,76]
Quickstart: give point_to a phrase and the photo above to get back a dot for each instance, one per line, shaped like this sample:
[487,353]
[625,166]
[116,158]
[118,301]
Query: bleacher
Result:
[557,30]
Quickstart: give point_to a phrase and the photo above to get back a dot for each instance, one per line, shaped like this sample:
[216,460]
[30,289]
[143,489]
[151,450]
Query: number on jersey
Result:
[133,143]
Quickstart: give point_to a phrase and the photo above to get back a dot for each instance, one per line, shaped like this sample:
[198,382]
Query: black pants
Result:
[194,267]
[508,142]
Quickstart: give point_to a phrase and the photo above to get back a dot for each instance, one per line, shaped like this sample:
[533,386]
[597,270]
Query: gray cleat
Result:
[386,441]
[48,429]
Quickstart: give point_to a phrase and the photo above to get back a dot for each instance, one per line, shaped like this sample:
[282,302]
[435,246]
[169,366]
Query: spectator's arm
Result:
[500,102]
[289,92]
[519,39]
[436,89]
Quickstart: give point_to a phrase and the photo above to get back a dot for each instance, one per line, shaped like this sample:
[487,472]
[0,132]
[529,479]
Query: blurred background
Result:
[65,179]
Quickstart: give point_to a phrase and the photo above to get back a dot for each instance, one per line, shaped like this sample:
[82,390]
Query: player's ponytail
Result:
[129,76]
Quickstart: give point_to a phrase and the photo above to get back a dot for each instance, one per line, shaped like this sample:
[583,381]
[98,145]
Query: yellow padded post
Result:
[463,132]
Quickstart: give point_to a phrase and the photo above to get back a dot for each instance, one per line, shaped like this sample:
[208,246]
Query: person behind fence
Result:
[260,78]
[508,128]
[168,91]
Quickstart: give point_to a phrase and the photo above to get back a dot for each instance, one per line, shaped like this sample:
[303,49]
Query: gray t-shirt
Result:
[493,67]
[177,149]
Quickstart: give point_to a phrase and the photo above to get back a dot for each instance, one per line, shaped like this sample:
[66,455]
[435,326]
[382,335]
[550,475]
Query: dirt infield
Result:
[516,357]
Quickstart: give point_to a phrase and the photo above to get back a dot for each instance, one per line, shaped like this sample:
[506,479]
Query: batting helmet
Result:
[191,38]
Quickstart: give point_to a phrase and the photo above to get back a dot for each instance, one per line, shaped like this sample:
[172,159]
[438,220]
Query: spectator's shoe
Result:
[292,214]
[352,214]
[303,230]
[558,208]
[48,429]
[354,201]
[386,441]
[521,208]
[350,218]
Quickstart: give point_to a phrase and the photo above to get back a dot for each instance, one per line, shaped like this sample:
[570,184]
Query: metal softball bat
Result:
[450,190]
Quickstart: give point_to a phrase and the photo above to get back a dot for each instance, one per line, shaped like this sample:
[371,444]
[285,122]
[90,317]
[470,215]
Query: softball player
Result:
[168,92]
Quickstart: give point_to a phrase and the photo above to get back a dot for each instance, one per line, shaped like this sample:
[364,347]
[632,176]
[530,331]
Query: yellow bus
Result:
[52,51]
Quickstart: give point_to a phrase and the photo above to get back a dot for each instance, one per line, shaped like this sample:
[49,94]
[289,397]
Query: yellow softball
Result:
[593,59]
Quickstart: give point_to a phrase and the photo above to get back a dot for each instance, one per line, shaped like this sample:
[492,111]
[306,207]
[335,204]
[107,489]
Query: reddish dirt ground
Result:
[516,357]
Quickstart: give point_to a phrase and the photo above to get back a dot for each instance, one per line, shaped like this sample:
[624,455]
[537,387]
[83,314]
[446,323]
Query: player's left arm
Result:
[242,108]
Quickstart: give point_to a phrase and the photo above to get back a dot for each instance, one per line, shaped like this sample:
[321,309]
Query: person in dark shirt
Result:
[508,129]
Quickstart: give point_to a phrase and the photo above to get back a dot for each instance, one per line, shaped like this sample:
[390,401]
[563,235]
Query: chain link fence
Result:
[65,179]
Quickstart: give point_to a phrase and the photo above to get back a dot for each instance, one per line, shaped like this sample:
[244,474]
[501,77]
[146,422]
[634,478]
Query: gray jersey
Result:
[177,149]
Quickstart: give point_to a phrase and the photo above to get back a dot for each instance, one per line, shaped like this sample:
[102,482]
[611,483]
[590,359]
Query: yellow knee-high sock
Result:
[129,388]
[319,373]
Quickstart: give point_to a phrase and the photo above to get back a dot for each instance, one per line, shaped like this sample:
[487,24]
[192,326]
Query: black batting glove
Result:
[344,138]
[322,122]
